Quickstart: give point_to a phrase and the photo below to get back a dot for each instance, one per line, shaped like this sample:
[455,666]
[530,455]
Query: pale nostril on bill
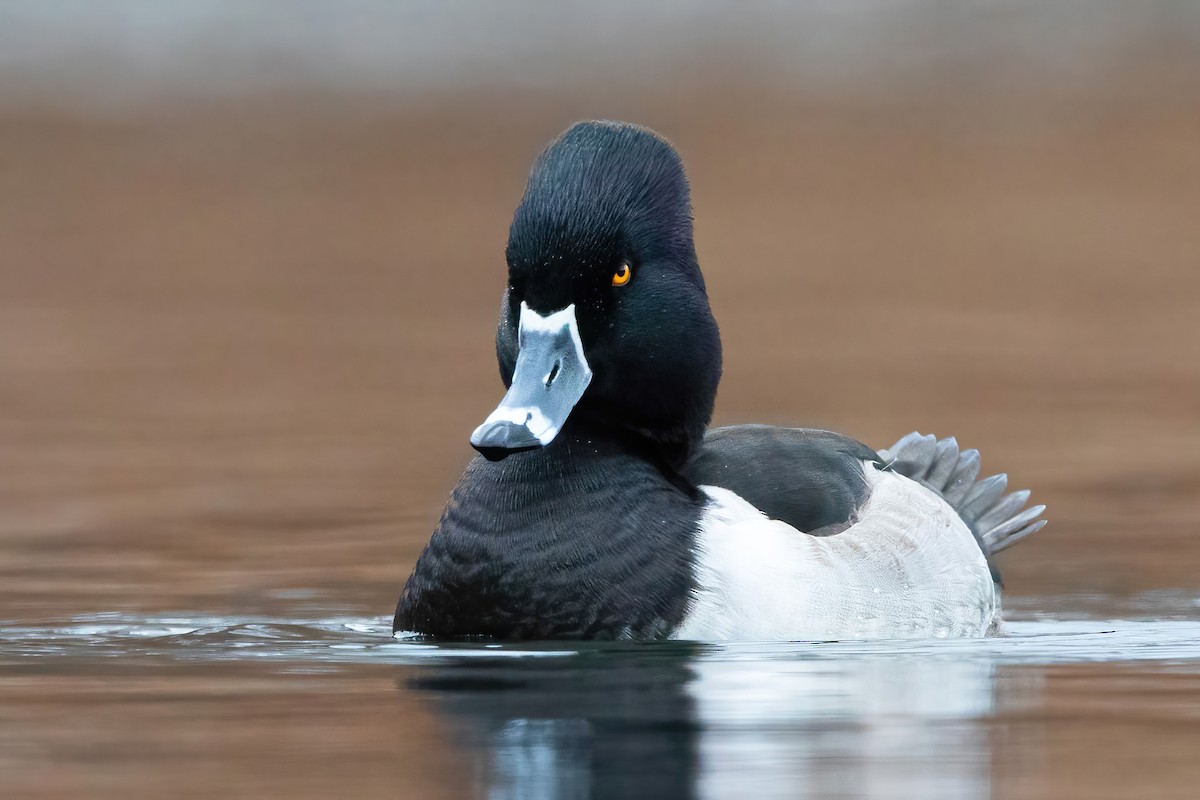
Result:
[553,373]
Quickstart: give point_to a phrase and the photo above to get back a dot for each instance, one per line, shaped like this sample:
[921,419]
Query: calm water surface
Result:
[803,719]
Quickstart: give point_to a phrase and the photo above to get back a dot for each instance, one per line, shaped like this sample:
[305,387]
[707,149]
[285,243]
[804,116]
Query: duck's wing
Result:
[810,479]
[813,479]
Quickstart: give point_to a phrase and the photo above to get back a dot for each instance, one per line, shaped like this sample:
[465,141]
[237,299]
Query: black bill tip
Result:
[495,440]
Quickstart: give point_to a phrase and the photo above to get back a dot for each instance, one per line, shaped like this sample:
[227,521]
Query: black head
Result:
[604,230]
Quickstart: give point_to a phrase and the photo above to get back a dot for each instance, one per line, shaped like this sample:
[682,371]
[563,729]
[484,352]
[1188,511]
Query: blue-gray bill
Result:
[550,377]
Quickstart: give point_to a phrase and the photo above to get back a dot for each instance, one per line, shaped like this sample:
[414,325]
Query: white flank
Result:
[908,568]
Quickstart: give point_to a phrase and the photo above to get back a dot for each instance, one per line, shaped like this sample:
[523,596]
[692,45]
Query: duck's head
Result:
[605,317]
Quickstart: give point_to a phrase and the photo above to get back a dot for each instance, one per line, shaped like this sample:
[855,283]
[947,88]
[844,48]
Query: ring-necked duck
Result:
[600,508]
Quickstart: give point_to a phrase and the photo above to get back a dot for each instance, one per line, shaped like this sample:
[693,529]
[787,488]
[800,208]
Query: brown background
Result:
[244,341]
[244,333]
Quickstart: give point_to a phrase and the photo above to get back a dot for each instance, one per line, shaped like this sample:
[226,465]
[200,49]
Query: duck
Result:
[600,506]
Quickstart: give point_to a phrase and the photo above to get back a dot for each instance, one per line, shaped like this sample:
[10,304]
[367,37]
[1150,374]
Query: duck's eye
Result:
[622,276]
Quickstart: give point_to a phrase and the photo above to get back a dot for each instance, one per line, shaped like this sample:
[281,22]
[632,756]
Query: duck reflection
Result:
[613,721]
[861,728]
[685,720]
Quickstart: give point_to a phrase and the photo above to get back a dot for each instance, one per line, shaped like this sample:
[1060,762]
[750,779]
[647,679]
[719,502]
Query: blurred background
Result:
[251,257]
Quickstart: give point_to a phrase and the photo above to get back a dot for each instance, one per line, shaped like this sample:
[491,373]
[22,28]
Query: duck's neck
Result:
[586,538]
[666,451]
[601,441]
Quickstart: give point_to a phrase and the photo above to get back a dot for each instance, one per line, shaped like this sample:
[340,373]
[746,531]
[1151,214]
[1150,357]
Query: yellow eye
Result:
[622,276]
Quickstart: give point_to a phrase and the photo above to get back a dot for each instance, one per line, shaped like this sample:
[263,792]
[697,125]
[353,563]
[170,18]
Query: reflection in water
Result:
[605,723]
[539,758]
[686,720]
[1013,716]
[874,727]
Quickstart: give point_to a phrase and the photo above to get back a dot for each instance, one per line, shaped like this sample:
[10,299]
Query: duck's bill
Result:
[551,376]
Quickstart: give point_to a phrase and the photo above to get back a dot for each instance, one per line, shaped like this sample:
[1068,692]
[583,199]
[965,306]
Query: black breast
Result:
[579,540]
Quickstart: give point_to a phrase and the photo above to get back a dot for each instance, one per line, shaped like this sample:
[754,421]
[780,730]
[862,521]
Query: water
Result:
[200,639]
[673,719]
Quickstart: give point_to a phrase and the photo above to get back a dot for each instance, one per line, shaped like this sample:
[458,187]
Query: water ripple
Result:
[347,640]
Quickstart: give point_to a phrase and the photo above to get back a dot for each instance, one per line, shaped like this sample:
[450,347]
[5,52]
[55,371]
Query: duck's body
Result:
[907,566]
[603,510]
